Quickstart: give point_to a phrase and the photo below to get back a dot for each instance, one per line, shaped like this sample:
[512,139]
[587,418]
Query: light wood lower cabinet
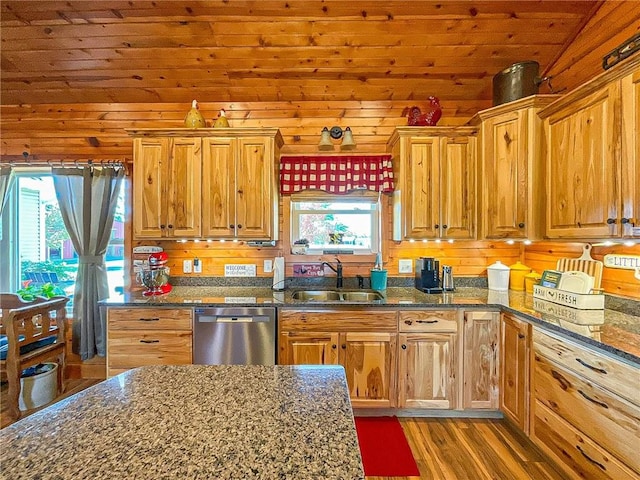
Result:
[481,372]
[586,412]
[138,337]
[363,341]
[515,341]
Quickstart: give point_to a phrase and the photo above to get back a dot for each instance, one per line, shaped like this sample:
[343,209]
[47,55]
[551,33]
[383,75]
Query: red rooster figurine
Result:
[429,118]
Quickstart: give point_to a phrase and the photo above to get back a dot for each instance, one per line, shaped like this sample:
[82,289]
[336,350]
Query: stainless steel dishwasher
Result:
[234,336]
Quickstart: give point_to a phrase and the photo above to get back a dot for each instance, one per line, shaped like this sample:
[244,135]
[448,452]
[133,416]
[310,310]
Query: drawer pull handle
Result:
[593,400]
[590,459]
[149,341]
[426,321]
[154,319]
[595,369]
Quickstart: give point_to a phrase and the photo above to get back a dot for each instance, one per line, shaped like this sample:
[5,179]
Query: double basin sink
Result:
[337,295]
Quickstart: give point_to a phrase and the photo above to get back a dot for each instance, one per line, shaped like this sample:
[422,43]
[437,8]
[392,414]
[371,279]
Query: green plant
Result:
[30,292]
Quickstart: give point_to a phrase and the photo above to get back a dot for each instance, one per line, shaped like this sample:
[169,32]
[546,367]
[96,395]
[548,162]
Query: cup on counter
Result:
[378,279]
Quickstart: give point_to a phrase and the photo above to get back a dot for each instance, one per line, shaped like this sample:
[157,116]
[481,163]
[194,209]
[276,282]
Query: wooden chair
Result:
[35,332]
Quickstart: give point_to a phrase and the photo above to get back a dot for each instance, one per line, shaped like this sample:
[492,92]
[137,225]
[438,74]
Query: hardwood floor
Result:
[473,449]
[444,448]
[72,386]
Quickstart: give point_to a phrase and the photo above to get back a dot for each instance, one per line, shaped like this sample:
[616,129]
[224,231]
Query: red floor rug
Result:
[384,448]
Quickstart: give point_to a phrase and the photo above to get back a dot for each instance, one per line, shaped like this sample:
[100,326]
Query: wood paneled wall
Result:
[613,23]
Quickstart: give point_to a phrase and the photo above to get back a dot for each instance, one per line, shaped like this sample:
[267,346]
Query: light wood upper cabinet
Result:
[481,360]
[219,183]
[515,341]
[240,194]
[434,170]
[510,166]
[591,160]
[166,190]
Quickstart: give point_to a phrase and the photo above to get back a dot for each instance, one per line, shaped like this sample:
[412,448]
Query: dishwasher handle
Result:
[232,318]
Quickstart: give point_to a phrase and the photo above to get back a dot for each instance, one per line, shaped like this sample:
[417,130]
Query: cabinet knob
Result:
[343,346]
[444,226]
[521,225]
[170,226]
[611,221]
[232,226]
[162,226]
[404,347]
[624,221]
[334,346]
[521,335]
[239,226]
[436,226]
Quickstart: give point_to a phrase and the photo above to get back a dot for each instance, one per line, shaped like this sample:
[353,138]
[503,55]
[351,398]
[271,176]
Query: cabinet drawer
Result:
[338,320]
[130,349]
[428,321]
[608,419]
[573,451]
[149,319]
[618,377]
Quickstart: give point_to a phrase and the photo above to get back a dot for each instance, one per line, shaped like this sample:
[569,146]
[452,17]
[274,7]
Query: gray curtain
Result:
[6,178]
[87,198]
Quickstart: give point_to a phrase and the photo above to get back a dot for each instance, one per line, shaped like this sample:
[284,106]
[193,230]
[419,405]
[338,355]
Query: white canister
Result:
[498,276]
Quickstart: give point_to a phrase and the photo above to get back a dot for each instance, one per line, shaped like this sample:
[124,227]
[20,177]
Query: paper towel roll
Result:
[278,274]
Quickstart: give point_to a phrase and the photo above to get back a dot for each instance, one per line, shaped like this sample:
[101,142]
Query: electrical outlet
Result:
[186,266]
[268,266]
[405,266]
[197,265]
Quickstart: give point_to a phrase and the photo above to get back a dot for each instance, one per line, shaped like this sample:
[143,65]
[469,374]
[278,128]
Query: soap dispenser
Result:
[278,274]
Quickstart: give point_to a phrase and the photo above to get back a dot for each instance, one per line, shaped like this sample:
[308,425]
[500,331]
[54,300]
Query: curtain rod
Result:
[66,163]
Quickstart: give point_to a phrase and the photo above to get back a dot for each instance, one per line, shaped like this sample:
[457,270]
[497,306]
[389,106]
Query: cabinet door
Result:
[514,368]
[505,161]
[427,373]
[255,188]
[421,215]
[308,348]
[184,198]
[630,219]
[218,187]
[149,186]
[583,167]
[369,360]
[457,191]
[481,361]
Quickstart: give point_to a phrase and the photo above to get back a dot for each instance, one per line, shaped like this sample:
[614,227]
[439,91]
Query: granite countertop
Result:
[611,330]
[193,422]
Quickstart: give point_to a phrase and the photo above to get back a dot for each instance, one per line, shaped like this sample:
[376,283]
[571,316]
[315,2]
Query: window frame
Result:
[358,196]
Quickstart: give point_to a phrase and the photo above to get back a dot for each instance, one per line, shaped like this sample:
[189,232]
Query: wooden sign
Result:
[626,262]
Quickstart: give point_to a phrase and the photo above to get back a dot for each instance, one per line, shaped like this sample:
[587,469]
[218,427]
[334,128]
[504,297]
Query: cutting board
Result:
[585,263]
[576,282]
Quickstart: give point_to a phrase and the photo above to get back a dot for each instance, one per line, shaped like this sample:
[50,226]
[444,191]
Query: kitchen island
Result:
[193,422]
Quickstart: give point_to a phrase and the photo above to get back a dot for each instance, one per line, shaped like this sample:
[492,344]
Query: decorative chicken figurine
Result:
[221,121]
[429,118]
[194,118]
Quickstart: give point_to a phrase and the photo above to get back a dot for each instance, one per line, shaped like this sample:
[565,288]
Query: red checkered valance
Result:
[336,174]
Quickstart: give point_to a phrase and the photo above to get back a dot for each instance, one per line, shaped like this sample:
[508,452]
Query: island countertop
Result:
[193,422]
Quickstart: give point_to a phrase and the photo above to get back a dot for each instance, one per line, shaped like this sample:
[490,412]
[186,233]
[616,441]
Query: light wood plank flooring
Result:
[444,448]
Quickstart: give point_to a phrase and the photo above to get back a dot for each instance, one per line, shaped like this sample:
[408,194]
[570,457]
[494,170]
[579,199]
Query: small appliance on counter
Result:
[447,278]
[428,275]
[154,275]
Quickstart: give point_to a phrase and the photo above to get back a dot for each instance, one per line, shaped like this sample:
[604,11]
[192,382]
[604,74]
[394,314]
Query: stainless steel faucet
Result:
[337,269]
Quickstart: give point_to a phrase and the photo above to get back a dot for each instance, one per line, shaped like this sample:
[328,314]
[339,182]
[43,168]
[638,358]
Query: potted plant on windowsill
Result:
[30,292]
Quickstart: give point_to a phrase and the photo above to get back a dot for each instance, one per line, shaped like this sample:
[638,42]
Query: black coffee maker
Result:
[428,275]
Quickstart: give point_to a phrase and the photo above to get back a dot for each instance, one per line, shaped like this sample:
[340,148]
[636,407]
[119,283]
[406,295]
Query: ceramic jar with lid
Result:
[516,278]
[530,279]
[498,276]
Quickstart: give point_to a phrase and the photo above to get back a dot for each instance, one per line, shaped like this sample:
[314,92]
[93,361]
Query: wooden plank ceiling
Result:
[65,52]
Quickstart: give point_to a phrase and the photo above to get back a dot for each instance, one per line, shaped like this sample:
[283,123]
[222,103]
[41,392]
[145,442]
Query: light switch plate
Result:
[187,266]
[268,266]
[405,266]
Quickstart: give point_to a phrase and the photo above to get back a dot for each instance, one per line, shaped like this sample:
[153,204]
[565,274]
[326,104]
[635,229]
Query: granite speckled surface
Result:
[193,422]
[613,331]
